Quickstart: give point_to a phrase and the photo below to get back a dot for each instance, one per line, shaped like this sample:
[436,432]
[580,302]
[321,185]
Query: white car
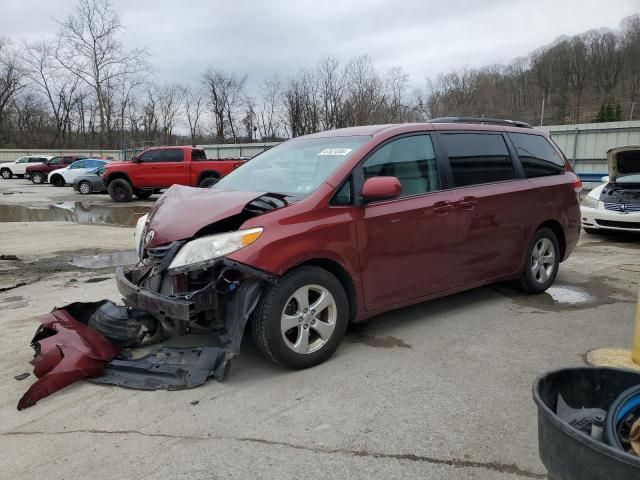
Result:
[66,176]
[18,167]
[615,205]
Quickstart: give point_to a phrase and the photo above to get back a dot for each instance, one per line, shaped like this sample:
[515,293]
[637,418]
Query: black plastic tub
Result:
[568,453]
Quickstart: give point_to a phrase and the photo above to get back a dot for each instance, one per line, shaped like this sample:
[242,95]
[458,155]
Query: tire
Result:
[57,181]
[85,188]
[538,277]
[592,231]
[6,173]
[120,190]
[208,182]
[288,349]
[143,194]
[629,402]
[37,178]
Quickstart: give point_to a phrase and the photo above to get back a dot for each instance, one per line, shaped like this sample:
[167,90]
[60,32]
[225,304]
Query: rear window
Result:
[173,155]
[537,156]
[36,160]
[198,155]
[478,158]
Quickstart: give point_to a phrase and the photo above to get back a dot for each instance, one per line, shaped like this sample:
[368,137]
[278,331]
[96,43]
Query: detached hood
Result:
[182,212]
[623,161]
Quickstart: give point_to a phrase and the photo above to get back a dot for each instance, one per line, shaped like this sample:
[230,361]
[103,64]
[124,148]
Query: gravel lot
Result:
[437,390]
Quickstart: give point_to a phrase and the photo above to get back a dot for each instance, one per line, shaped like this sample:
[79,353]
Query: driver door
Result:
[405,243]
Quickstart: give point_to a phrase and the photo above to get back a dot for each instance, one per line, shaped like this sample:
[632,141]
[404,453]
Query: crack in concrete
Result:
[20,284]
[508,468]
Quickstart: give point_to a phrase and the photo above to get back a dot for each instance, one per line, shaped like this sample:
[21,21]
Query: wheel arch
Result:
[557,229]
[116,175]
[343,277]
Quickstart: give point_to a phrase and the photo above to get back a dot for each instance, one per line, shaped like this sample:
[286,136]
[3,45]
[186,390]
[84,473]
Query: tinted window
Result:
[36,160]
[198,155]
[69,160]
[344,195]
[93,163]
[537,156]
[173,155]
[78,164]
[22,160]
[478,158]
[56,161]
[411,159]
[151,156]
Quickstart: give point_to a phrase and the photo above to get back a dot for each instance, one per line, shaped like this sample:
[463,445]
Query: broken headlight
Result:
[137,235]
[590,202]
[199,252]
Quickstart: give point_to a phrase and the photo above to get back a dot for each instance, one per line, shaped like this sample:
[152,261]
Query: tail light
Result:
[577,185]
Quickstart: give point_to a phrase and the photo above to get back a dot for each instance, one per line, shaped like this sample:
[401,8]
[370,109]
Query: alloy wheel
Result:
[308,319]
[543,260]
[37,178]
[6,174]
[84,188]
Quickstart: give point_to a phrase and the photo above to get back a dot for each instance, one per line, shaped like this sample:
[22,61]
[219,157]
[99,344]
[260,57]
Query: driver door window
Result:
[76,165]
[412,160]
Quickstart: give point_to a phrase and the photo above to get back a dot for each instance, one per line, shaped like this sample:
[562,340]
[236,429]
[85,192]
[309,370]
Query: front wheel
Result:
[542,262]
[120,190]
[37,178]
[6,173]
[301,318]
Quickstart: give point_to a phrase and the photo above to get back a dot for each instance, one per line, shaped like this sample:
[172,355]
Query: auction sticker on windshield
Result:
[335,151]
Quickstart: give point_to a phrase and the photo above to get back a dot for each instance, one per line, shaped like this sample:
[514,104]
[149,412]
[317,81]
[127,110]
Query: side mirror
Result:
[135,160]
[381,188]
[605,179]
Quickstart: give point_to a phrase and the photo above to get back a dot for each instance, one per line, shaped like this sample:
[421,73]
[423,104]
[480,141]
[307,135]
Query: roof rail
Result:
[483,121]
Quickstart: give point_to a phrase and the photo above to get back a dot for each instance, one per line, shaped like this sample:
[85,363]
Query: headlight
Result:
[590,202]
[197,253]
[138,234]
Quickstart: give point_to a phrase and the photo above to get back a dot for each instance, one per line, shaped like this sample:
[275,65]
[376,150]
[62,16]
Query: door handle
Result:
[442,208]
[468,203]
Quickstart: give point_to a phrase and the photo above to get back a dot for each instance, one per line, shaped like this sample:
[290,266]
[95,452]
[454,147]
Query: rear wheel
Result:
[57,181]
[207,182]
[143,194]
[542,262]
[6,173]
[301,318]
[37,178]
[120,190]
[85,188]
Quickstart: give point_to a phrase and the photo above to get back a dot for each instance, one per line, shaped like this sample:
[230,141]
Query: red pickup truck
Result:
[161,167]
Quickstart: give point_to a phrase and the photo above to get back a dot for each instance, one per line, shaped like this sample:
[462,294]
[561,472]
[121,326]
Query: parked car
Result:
[18,167]
[160,167]
[90,182]
[339,226]
[615,205]
[38,173]
[65,176]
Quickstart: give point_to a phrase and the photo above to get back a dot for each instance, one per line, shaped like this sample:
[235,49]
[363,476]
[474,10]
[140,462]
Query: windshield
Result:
[296,167]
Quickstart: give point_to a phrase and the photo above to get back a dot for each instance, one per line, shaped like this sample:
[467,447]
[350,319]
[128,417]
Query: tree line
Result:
[86,89]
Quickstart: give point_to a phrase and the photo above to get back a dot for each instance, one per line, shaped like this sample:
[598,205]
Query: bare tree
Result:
[193,106]
[90,48]
[226,93]
[268,111]
[11,79]
[170,99]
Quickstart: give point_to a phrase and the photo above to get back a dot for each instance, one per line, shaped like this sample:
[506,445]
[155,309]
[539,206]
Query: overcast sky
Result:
[258,37]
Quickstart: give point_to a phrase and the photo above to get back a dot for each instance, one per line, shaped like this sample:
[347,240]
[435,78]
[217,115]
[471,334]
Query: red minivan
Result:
[339,226]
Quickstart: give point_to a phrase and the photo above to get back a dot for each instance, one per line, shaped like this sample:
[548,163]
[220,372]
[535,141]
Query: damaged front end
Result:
[179,287]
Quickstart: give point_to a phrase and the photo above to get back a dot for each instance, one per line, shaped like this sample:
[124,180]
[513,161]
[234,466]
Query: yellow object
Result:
[612,357]
[635,349]
[619,357]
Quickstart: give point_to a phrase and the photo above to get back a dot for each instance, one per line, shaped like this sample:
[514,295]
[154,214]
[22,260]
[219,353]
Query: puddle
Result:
[105,260]
[382,341]
[566,296]
[75,212]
